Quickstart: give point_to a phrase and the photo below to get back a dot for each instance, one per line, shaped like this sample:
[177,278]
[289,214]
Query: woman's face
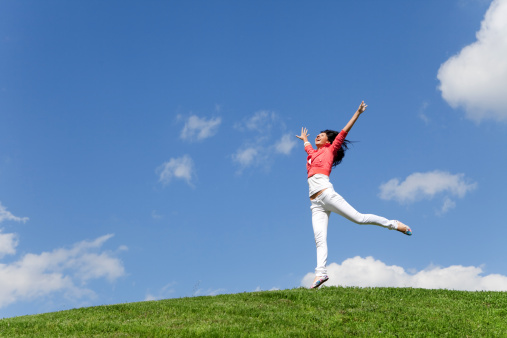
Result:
[321,140]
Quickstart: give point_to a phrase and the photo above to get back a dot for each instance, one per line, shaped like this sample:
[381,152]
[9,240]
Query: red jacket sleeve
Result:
[309,149]
[338,141]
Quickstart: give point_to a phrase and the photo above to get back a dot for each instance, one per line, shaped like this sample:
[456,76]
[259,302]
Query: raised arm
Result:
[359,111]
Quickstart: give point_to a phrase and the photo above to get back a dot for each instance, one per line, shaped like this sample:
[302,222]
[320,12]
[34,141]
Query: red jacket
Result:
[320,161]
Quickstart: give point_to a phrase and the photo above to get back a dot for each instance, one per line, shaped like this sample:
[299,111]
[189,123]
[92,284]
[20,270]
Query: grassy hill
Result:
[330,311]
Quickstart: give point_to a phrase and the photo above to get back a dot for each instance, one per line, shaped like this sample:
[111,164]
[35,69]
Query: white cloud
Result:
[163,293]
[422,114]
[274,288]
[286,144]
[209,292]
[8,244]
[180,168]
[476,78]
[448,204]
[262,149]
[150,297]
[369,272]
[156,215]
[261,121]
[7,216]
[59,271]
[197,128]
[246,157]
[426,185]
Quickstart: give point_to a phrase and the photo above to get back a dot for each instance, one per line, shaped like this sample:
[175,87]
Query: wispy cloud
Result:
[261,121]
[448,204]
[258,289]
[8,242]
[209,292]
[164,292]
[476,78]
[246,157]
[199,128]
[8,216]
[369,272]
[422,113]
[156,215]
[179,168]
[427,185]
[286,144]
[263,143]
[59,271]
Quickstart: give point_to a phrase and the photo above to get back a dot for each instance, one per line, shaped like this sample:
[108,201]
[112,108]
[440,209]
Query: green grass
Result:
[331,311]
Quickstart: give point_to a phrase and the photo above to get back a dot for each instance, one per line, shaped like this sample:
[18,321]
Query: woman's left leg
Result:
[336,203]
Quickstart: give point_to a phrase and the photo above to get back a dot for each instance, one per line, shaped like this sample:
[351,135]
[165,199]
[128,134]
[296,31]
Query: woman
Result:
[331,147]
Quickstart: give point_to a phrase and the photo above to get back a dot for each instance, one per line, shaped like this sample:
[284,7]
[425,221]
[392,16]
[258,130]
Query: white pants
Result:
[322,206]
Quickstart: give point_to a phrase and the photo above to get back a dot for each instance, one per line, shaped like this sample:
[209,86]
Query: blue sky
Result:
[148,149]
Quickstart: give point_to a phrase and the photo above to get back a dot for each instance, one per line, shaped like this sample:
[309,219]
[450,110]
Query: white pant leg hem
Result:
[320,273]
[393,225]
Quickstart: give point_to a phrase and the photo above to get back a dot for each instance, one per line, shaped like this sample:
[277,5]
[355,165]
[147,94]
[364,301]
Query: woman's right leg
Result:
[320,220]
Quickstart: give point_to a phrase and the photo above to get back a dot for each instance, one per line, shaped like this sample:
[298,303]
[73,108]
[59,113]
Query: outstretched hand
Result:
[359,111]
[304,135]
[362,107]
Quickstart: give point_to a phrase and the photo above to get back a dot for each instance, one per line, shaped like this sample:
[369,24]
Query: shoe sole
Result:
[319,284]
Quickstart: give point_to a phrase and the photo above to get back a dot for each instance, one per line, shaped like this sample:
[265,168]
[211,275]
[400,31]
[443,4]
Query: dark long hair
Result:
[331,135]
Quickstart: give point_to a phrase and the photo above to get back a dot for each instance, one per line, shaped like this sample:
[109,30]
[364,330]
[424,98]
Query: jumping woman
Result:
[331,147]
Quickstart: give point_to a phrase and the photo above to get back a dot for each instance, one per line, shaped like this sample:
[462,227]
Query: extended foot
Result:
[404,229]
[318,281]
